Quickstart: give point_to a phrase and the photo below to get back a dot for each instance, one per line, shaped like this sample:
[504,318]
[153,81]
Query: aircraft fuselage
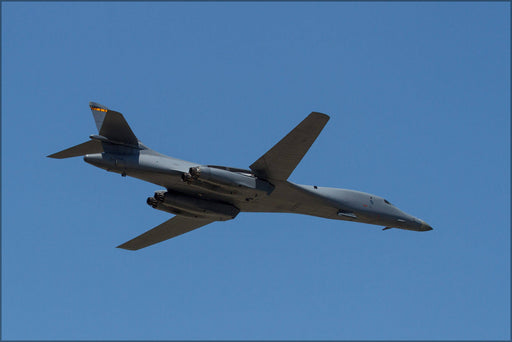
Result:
[225,187]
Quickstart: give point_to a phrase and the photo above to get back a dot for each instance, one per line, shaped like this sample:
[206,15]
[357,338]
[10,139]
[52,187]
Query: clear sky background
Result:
[419,99]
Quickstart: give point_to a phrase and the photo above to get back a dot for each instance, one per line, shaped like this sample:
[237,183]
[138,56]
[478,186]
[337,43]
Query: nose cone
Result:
[425,226]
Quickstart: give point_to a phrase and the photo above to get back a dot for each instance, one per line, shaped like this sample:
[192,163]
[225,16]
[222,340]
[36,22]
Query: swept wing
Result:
[280,161]
[171,228]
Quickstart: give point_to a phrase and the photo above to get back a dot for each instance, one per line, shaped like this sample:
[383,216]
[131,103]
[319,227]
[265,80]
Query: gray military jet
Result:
[202,194]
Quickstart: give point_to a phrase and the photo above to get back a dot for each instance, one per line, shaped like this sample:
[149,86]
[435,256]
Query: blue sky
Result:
[419,99]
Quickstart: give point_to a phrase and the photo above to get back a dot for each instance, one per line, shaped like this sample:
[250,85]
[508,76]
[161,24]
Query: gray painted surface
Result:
[201,194]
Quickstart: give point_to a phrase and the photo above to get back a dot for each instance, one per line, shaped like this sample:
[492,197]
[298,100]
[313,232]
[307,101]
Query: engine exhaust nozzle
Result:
[152,202]
[195,172]
[160,196]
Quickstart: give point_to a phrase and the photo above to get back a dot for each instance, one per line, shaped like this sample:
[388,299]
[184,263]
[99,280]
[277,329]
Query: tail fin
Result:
[112,125]
[99,112]
[112,128]
[280,161]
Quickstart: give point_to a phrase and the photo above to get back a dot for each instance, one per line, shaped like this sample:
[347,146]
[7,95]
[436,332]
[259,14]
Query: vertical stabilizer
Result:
[113,130]
[99,112]
[112,125]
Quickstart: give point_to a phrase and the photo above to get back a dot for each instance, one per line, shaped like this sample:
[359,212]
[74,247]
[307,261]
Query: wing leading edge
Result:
[280,161]
[171,228]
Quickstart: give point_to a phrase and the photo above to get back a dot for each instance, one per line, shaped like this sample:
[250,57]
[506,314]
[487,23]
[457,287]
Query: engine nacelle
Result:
[180,204]
[226,178]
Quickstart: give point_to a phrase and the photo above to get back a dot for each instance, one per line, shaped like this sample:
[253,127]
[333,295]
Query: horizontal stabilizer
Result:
[112,125]
[176,226]
[280,161]
[91,146]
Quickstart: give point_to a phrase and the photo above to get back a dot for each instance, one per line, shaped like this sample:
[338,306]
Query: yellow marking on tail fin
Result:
[99,109]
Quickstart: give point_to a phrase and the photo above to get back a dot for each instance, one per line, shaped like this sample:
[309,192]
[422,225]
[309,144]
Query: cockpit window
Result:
[387,202]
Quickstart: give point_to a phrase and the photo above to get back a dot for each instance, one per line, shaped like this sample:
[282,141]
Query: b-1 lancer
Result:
[202,194]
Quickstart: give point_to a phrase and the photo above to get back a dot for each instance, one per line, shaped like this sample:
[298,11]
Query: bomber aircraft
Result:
[201,194]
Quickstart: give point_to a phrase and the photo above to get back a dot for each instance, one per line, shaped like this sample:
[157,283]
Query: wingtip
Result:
[126,248]
[55,156]
[321,115]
